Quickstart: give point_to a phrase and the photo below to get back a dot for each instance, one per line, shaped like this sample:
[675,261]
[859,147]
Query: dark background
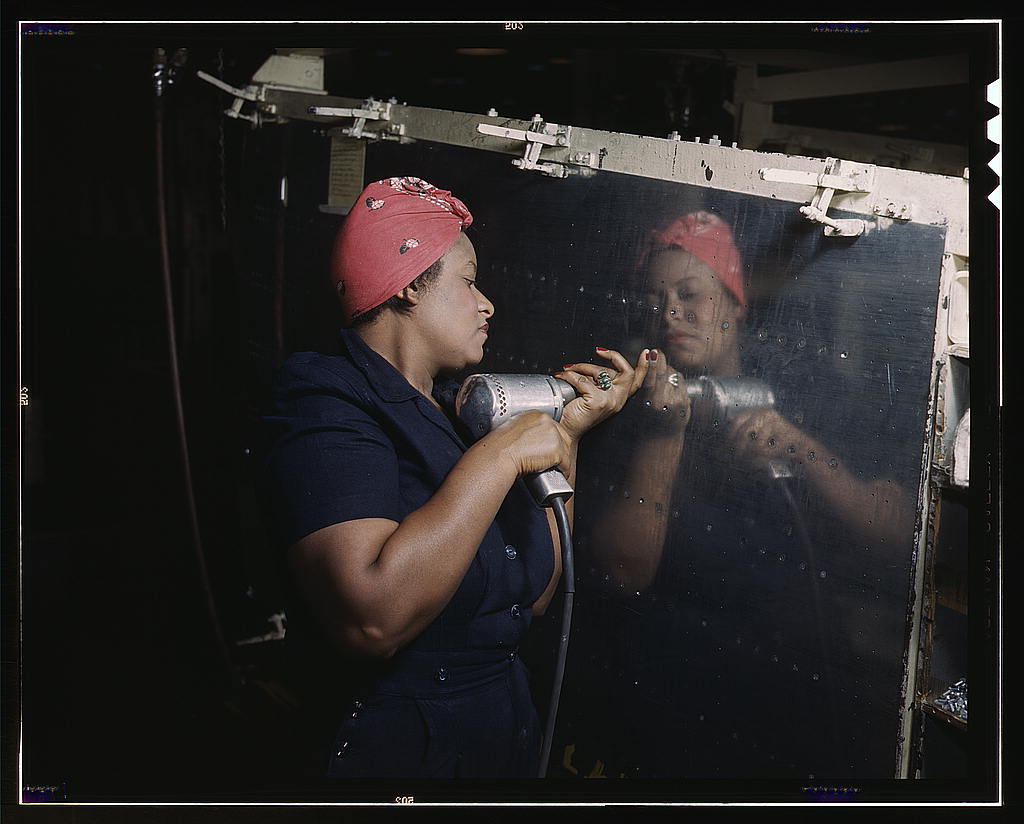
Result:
[132,687]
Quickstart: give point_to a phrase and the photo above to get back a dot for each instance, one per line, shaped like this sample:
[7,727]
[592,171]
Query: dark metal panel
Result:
[772,640]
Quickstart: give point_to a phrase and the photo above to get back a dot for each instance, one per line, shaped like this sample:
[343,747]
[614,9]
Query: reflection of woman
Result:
[719,655]
[692,273]
[416,557]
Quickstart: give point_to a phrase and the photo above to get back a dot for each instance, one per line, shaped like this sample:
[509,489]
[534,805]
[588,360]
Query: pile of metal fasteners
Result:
[954,699]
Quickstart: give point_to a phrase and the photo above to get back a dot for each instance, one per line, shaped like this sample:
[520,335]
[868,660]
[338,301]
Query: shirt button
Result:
[341,749]
[441,674]
[515,610]
[512,656]
[510,551]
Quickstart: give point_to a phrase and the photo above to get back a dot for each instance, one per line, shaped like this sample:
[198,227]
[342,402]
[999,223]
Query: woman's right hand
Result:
[534,442]
[664,404]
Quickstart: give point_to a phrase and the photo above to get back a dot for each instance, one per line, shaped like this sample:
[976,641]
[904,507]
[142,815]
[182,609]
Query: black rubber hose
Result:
[172,347]
[569,585]
[819,615]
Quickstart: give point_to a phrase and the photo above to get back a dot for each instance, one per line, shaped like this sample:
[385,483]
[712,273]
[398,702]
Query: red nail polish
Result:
[654,355]
[647,355]
[601,349]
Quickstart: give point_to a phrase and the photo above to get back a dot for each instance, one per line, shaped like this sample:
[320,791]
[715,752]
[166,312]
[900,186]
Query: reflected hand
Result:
[666,405]
[759,435]
[877,509]
[595,404]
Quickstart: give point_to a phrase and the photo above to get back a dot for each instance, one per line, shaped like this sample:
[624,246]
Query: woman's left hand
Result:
[595,403]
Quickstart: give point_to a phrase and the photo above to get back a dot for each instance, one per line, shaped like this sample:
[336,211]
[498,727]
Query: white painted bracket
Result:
[248,93]
[958,318]
[827,183]
[857,181]
[543,134]
[292,72]
[962,451]
[279,72]
[252,93]
[279,620]
[370,110]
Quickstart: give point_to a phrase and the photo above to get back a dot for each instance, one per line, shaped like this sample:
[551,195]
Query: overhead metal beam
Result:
[866,78]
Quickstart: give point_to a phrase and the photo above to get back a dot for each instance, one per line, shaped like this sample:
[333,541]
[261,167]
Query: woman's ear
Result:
[410,294]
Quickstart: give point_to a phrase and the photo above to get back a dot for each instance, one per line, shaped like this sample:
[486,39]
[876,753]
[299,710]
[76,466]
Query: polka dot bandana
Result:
[398,227]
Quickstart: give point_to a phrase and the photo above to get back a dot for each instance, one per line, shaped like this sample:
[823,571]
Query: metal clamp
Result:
[255,93]
[536,138]
[287,73]
[371,110]
[828,182]
[279,620]
[833,228]
[251,93]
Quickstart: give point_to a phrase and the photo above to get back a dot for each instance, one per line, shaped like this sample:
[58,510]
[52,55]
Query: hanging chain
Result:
[220,146]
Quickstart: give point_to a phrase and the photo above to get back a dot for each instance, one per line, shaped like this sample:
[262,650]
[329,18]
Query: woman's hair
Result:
[422,281]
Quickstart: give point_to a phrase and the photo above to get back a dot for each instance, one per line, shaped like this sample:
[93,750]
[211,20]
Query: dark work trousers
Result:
[441,715]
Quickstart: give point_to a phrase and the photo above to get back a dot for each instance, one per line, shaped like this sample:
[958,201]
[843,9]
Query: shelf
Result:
[951,719]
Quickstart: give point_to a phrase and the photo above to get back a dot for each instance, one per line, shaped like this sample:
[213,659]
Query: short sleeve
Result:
[328,459]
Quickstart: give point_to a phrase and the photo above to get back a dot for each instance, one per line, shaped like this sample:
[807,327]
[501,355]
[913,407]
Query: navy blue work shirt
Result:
[351,438]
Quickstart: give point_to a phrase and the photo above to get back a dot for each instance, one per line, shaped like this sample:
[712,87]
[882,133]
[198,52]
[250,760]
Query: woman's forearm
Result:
[874,509]
[627,537]
[377,584]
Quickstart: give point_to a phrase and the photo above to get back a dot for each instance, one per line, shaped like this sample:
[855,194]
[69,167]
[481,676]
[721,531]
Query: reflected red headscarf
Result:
[707,237]
[397,228]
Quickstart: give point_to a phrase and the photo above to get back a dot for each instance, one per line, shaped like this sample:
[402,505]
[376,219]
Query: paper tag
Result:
[348,158]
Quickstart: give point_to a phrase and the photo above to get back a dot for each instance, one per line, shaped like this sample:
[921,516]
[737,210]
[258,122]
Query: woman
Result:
[721,537]
[418,557]
[693,274]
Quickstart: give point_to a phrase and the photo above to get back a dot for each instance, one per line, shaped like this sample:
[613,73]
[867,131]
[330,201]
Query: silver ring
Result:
[604,380]
[674,379]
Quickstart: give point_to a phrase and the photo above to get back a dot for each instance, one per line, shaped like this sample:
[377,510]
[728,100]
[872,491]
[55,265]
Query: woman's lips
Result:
[681,337]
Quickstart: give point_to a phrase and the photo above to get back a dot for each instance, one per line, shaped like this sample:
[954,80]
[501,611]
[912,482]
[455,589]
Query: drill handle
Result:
[548,485]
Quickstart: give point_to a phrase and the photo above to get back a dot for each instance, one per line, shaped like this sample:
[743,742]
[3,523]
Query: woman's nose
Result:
[485,307]
[681,312]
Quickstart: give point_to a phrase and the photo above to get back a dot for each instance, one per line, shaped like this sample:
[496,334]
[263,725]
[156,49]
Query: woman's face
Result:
[698,318]
[455,311]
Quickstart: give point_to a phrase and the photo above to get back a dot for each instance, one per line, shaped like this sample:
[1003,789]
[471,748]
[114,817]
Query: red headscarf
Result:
[707,237]
[397,228]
